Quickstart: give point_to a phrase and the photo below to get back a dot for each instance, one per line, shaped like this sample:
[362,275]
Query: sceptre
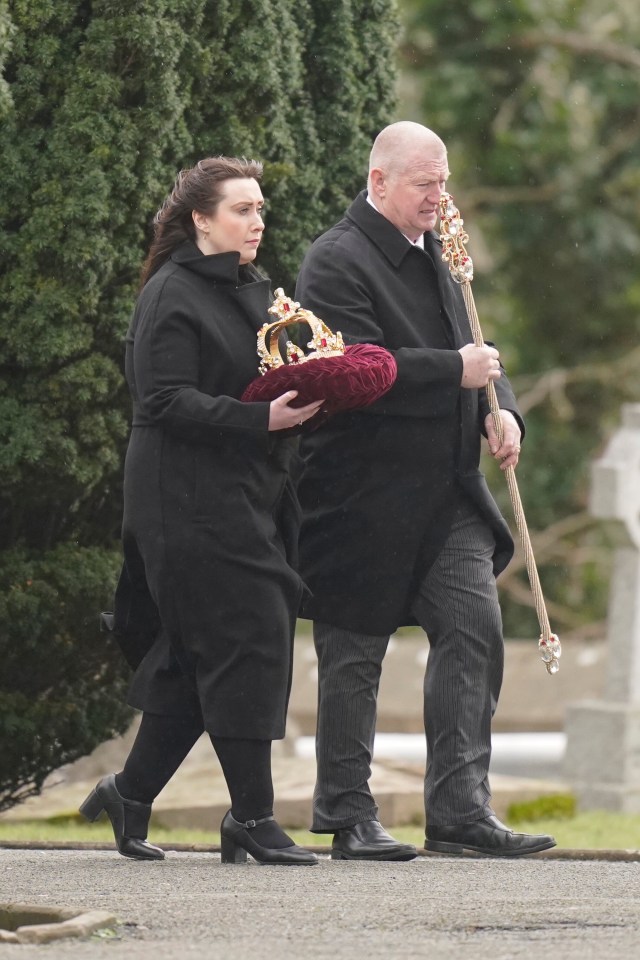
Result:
[454,237]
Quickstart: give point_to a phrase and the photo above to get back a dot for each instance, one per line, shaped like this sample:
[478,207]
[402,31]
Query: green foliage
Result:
[304,86]
[537,101]
[555,806]
[101,103]
[62,686]
[593,830]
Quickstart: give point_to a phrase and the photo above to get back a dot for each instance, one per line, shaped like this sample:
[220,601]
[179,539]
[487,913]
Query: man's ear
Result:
[378,182]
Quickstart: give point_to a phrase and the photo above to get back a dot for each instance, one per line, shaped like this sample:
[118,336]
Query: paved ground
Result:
[437,907]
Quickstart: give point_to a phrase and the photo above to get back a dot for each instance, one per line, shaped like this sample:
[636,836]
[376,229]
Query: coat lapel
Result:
[255,300]
[453,306]
[242,283]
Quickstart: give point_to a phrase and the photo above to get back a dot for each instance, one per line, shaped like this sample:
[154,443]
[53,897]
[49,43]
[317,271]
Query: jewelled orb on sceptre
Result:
[453,237]
[550,651]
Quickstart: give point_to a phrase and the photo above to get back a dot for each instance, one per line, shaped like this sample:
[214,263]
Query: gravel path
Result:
[191,905]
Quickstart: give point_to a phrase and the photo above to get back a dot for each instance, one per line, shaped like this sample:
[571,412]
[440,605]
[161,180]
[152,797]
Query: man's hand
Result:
[479,365]
[509,450]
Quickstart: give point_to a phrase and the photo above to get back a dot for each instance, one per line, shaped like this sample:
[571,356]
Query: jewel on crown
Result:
[283,307]
[325,344]
[294,353]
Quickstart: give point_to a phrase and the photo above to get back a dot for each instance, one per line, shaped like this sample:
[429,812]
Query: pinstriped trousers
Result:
[457,606]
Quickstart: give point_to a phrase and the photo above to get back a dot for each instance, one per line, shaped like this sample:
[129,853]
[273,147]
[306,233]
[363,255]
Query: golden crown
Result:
[323,342]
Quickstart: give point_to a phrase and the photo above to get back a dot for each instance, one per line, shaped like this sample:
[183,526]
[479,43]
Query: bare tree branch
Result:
[559,614]
[552,385]
[578,43]
[545,542]
[477,197]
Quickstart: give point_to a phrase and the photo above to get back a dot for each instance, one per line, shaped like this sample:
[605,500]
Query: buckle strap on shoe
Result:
[250,824]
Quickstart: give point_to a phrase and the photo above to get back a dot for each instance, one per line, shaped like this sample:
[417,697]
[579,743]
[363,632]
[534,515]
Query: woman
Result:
[207,601]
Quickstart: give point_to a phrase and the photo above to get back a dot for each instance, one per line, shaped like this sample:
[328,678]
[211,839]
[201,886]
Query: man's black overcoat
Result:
[211,516]
[381,484]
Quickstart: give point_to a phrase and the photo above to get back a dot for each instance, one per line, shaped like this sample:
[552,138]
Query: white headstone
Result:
[603,736]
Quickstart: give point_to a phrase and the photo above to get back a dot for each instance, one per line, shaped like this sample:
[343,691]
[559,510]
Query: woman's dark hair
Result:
[198,188]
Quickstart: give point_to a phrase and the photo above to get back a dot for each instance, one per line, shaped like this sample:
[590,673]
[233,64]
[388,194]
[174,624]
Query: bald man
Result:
[399,526]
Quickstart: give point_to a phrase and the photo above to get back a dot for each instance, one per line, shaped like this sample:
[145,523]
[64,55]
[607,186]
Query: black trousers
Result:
[457,606]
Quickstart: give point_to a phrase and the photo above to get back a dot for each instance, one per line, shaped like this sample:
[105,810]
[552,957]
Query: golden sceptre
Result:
[454,237]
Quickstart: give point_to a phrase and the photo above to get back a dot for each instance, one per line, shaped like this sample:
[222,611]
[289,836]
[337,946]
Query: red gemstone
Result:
[294,357]
[323,342]
[285,307]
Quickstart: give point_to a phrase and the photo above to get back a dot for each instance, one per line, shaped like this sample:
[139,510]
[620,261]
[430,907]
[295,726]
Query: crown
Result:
[323,342]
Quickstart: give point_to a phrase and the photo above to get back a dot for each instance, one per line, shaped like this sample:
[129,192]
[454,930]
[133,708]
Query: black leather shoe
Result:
[129,819]
[369,841]
[236,841]
[488,836]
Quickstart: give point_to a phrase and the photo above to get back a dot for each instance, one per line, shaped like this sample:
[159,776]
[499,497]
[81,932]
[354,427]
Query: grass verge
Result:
[595,830]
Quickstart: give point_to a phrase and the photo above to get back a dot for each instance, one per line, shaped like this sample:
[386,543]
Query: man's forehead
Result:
[420,169]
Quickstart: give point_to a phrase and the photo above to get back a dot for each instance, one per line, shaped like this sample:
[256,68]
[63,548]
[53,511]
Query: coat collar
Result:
[378,229]
[395,247]
[220,267]
[242,282]
[382,232]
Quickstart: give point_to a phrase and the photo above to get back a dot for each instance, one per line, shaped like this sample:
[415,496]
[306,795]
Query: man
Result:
[399,525]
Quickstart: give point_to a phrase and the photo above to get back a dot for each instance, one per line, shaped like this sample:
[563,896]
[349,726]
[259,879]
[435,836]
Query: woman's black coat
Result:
[381,485]
[211,516]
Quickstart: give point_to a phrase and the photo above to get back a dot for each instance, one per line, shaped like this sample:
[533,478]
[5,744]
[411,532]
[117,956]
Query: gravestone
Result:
[602,761]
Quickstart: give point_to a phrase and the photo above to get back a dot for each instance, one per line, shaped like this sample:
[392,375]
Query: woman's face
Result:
[236,223]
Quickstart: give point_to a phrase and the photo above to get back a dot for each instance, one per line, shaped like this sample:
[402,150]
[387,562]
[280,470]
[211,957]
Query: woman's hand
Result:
[283,417]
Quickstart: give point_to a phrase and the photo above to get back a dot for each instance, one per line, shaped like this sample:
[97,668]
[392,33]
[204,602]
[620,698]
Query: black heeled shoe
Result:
[129,819]
[236,842]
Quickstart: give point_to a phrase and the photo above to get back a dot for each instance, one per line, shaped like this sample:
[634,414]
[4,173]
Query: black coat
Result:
[211,516]
[381,484]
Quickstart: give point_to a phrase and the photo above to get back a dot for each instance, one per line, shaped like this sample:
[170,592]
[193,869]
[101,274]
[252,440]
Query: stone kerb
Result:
[37,923]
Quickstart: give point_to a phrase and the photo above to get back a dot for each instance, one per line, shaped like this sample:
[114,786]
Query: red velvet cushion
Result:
[361,375]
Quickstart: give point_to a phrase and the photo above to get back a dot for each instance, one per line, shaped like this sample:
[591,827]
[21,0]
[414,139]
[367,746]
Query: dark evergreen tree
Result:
[5,30]
[101,103]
